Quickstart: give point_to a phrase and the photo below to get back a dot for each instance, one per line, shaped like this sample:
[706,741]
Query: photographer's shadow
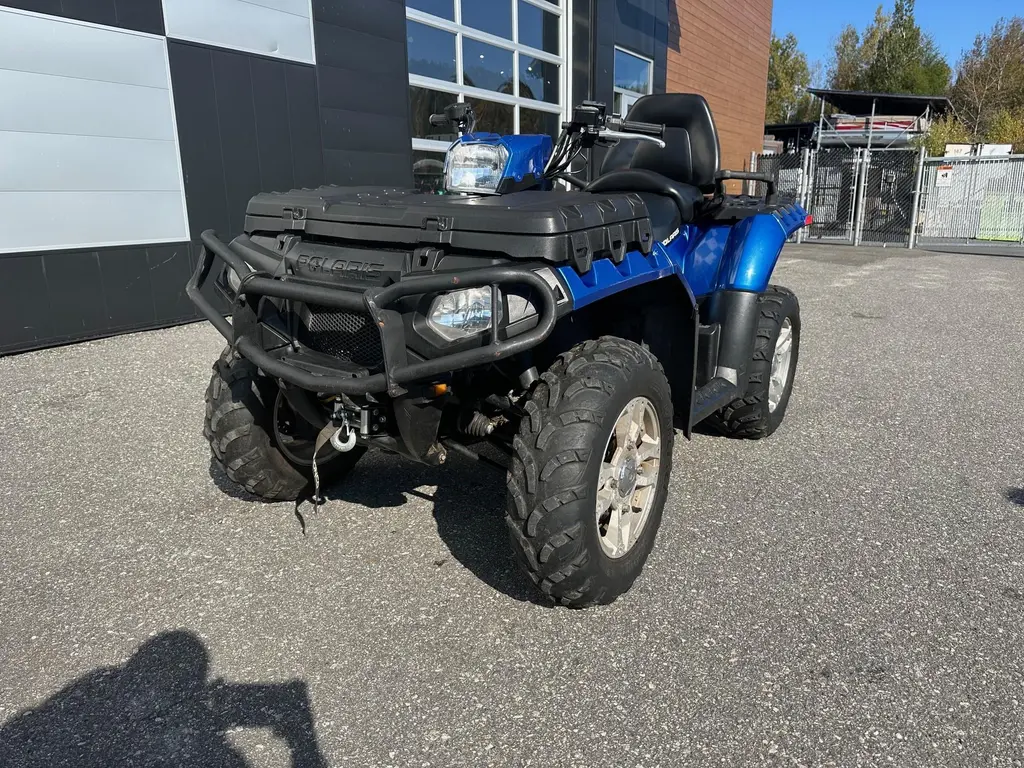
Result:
[159,709]
[468,507]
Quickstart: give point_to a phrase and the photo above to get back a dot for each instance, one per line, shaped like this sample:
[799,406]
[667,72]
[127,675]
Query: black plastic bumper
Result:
[375,303]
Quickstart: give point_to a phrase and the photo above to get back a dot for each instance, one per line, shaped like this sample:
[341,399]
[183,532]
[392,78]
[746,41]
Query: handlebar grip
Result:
[648,129]
[439,121]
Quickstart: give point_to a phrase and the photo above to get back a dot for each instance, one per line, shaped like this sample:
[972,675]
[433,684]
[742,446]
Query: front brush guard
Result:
[375,302]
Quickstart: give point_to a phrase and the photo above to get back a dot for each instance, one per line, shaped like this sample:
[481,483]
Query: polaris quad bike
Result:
[571,329]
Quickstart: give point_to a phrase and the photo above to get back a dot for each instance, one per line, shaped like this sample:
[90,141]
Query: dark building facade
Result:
[131,126]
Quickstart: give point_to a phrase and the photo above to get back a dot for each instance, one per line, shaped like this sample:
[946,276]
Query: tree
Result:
[946,130]
[907,60]
[1008,128]
[853,54]
[990,77]
[789,77]
[892,55]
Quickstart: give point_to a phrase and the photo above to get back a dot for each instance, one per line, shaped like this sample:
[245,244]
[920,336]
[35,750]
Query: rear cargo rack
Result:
[375,303]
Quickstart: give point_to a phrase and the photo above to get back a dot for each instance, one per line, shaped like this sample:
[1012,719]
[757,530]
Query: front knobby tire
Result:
[761,411]
[565,536]
[240,425]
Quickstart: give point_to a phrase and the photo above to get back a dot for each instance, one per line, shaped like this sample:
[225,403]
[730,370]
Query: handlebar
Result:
[632,126]
[439,121]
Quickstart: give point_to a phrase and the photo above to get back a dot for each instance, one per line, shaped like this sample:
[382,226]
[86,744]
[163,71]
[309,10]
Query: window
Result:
[505,57]
[634,76]
[431,52]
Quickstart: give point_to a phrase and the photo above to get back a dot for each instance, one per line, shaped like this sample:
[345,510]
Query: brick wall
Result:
[723,55]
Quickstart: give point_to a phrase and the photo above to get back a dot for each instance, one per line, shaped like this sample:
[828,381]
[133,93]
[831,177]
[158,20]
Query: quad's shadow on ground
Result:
[468,509]
[159,709]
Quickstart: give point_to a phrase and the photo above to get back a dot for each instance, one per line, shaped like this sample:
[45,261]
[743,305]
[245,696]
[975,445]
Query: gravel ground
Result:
[849,592]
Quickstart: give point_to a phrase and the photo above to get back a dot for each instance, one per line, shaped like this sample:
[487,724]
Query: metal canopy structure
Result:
[867,105]
[861,103]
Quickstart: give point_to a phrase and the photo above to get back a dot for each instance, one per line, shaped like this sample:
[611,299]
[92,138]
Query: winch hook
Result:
[344,440]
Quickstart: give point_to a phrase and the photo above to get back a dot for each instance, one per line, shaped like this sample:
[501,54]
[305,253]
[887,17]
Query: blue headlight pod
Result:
[475,168]
[489,164]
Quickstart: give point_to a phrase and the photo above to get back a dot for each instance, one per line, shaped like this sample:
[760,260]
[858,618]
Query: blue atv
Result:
[558,328]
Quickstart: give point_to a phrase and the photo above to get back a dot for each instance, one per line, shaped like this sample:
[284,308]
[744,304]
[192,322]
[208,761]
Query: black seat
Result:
[681,172]
[664,215]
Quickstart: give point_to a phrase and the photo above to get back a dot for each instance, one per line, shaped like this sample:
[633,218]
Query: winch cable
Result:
[329,434]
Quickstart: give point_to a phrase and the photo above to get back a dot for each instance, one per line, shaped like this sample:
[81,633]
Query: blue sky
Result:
[953,23]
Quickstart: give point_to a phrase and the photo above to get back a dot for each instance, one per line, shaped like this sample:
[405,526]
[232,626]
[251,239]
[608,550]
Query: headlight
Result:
[461,314]
[475,168]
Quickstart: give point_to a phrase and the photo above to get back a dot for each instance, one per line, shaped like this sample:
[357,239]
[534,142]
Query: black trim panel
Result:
[58,297]
[363,91]
[138,15]
[246,124]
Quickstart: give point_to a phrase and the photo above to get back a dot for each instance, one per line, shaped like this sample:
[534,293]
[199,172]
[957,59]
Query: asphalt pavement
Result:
[848,592]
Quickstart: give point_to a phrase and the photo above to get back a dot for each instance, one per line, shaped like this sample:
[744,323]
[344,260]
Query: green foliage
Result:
[789,76]
[907,60]
[1008,128]
[945,130]
[853,54]
[893,55]
[990,78]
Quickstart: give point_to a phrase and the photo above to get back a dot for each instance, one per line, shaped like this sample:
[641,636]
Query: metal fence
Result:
[899,197]
[788,171]
[972,200]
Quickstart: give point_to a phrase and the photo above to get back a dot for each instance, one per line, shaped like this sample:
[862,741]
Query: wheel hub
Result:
[781,359]
[629,477]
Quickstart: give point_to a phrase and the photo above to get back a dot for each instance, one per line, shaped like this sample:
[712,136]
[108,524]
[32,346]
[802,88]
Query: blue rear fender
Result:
[754,248]
[737,257]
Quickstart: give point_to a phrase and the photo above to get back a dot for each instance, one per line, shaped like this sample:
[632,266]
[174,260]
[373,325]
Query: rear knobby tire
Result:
[240,427]
[552,511]
[751,417]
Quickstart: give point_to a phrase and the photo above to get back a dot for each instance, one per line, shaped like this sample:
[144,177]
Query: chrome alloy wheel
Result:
[780,365]
[629,477]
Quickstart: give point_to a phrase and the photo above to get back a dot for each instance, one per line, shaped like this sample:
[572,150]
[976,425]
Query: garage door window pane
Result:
[492,117]
[443,8]
[487,66]
[431,51]
[538,79]
[491,16]
[423,103]
[537,28]
[532,121]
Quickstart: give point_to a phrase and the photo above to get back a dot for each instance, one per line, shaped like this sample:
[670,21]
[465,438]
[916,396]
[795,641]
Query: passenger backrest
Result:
[691,155]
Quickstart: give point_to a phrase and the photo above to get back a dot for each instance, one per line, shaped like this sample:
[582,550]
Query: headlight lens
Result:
[461,314]
[475,168]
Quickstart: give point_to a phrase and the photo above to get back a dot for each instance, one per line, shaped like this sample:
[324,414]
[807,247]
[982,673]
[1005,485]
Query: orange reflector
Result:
[439,389]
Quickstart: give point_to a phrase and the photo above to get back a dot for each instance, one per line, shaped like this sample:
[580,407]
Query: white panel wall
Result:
[88,151]
[279,28]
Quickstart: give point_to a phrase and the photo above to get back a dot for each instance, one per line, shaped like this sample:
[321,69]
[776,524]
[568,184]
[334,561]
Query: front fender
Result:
[754,247]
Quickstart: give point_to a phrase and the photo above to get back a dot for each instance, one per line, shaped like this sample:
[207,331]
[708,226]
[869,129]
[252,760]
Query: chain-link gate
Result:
[833,195]
[886,208]
[854,195]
